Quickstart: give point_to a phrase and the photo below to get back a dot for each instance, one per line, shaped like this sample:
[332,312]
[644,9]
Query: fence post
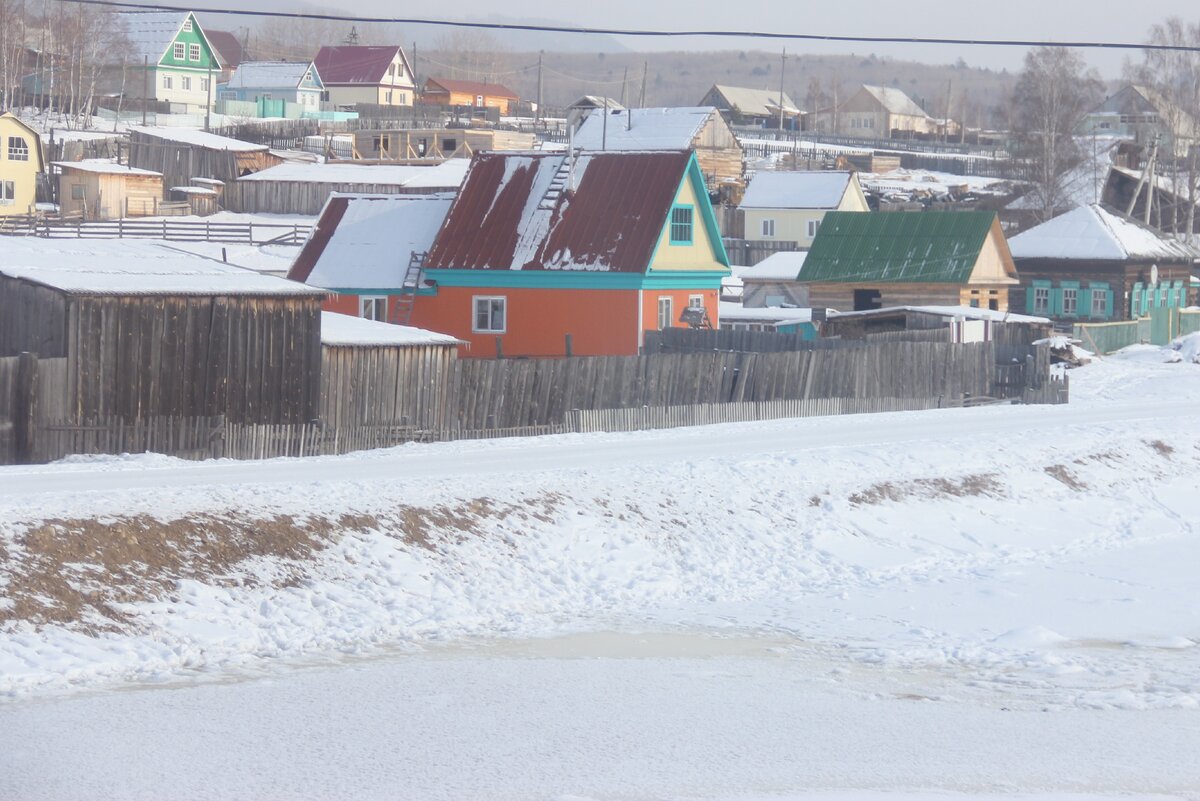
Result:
[25,411]
[569,351]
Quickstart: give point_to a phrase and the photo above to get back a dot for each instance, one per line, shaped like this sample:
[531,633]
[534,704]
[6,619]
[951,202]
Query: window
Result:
[1099,303]
[695,301]
[193,52]
[1041,300]
[187,26]
[373,308]
[78,192]
[490,314]
[768,228]
[403,99]
[813,227]
[681,225]
[204,84]
[1070,301]
[179,51]
[387,96]
[185,83]
[665,309]
[8,192]
[18,148]
[167,83]
[308,77]
[449,145]
[479,100]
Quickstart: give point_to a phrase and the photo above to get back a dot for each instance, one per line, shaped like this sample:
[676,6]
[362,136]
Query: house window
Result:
[403,99]
[193,52]
[681,225]
[204,84]
[768,228]
[387,96]
[167,83]
[479,100]
[449,145]
[695,301]
[1099,303]
[18,148]
[1070,302]
[665,309]
[1041,300]
[813,227]
[185,83]
[78,192]
[373,308]
[8,193]
[308,76]
[187,26]
[179,51]
[490,314]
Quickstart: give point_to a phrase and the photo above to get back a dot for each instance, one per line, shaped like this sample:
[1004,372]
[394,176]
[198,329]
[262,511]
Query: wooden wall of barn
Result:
[303,197]
[180,162]
[387,386]
[32,318]
[252,359]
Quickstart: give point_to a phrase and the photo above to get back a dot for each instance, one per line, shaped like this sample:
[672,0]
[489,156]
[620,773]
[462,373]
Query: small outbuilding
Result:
[98,189]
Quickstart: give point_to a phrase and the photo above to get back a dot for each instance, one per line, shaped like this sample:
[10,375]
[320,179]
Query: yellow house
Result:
[789,206]
[21,161]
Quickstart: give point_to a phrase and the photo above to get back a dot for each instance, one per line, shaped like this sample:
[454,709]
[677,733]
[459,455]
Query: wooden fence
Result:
[173,230]
[747,252]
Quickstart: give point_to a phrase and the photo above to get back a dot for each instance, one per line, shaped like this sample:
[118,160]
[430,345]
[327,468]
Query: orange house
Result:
[545,254]
[448,92]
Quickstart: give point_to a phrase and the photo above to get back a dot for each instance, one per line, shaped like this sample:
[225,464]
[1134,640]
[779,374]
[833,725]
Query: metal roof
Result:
[756,102]
[271,75]
[505,218]
[895,101]
[150,33]
[472,87]
[796,190]
[897,247]
[357,64]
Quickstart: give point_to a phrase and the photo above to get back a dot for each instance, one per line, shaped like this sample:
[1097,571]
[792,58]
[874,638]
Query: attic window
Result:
[179,50]
[193,52]
[187,26]
[18,148]
[681,225]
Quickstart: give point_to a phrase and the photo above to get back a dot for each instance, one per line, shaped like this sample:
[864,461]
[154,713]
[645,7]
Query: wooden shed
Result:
[422,145]
[151,331]
[98,189]
[182,154]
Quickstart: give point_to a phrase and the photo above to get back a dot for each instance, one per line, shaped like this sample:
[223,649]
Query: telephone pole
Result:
[538,114]
[782,66]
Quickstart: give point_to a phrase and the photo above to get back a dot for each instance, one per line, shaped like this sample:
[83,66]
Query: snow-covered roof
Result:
[344,330]
[895,101]
[195,190]
[1082,184]
[132,267]
[269,74]
[796,190]
[449,173]
[364,241]
[651,128]
[150,33]
[965,312]
[190,136]
[779,315]
[756,102]
[105,166]
[1094,233]
[783,266]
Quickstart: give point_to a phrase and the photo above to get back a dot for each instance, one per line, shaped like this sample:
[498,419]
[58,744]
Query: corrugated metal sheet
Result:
[918,247]
[611,222]
[356,63]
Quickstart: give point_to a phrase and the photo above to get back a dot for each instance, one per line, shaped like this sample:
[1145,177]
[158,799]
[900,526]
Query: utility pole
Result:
[624,81]
[946,124]
[538,114]
[145,87]
[645,71]
[782,67]
[208,100]
[604,126]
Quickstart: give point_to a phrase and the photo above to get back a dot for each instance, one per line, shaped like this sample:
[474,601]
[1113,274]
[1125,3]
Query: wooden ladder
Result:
[402,308]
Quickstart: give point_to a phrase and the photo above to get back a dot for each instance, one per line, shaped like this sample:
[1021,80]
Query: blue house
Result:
[270,82]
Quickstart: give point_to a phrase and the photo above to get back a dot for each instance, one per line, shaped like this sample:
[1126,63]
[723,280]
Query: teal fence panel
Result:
[1104,338]
[1163,324]
[1189,322]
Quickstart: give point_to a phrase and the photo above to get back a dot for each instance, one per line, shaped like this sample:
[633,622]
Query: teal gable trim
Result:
[707,215]
[559,279]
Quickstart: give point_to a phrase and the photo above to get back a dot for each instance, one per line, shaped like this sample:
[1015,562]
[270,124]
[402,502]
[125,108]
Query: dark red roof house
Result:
[371,75]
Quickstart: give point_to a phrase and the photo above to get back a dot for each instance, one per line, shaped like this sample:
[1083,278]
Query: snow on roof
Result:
[132,267]
[346,331]
[448,174]
[651,128]
[796,190]
[150,33]
[1082,184]
[757,102]
[966,312]
[104,166]
[736,312]
[1094,233]
[195,190]
[269,74]
[364,241]
[784,266]
[895,101]
[190,136]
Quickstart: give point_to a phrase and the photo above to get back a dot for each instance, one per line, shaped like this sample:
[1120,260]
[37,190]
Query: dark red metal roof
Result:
[310,254]
[356,63]
[611,222]
[228,48]
[471,87]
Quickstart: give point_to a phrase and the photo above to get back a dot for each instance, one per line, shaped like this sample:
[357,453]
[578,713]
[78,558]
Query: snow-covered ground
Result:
[986,601]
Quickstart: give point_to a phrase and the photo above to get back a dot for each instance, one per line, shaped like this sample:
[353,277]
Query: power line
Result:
[504,26]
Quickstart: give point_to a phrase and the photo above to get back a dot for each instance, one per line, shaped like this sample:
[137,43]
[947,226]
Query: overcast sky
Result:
[1013,19]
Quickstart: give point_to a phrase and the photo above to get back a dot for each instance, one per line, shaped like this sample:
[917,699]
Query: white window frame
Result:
[1070,294]
[370,306]
[767,229]
[813,227]
[185,83]
[18,148]
[666,312]
[490,326]
[204,84]
[179,51]
[1041,300]
[193,51]
[8,193]
[167,82]
[187,26]
[1099,302]
[695,301]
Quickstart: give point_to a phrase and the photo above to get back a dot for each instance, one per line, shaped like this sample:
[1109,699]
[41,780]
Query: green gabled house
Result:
[168,59]
[874,260]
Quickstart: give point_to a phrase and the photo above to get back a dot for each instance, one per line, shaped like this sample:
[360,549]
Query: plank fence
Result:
[172,230]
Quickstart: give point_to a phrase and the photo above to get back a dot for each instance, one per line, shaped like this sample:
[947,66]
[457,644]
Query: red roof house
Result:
[449,92]
[595,247]
[374,75]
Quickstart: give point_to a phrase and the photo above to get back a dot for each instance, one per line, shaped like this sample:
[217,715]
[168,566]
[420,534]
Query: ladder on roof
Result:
[558,184]
[402,308]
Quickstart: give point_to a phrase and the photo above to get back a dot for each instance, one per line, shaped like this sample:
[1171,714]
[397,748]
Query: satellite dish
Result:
[1154,274]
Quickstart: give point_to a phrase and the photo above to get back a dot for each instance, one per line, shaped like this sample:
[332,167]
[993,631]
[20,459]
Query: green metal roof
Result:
[897,247]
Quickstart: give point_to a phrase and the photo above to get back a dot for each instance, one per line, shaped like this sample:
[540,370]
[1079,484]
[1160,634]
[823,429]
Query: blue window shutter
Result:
[1108,305]
[1029,293]
[1055,302]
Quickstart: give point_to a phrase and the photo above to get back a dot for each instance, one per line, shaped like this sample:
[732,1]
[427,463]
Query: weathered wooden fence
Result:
[747,252]
[173,230]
